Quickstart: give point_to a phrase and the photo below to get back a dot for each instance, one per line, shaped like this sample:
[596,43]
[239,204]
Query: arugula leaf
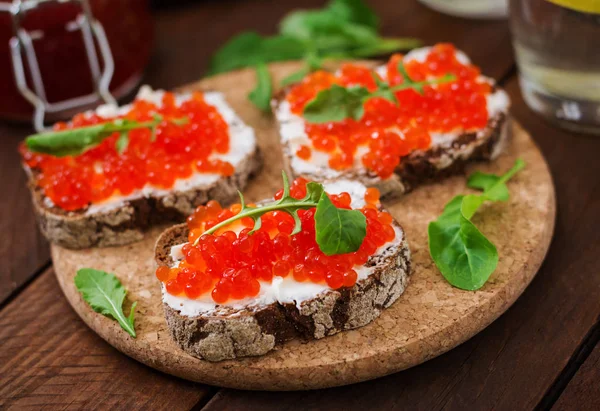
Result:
[67,142]
[336,104]
[464,256]
[384,46]
[331,36]
[355,11]
[407,80]
[286,203]
[385,90]
[344,28]
[312,62]
[75,141]
[105,294]
[344,237]
[326,31]
[295,77]
[488,182]
[338,231]
[249,49]
[261,95]
[481,181]
[348,20]
[122,142]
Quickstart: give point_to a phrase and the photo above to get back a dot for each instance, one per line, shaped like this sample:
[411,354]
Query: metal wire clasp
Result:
[22,43]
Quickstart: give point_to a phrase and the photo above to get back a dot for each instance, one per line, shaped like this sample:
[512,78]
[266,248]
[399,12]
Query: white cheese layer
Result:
[242,142]
[292,126]
[282,290]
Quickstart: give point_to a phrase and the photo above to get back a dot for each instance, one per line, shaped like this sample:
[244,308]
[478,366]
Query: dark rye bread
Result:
[420,167]
[127,222]
[228,333]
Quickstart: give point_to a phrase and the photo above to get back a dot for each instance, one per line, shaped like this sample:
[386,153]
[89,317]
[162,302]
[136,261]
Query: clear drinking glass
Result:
[557,44]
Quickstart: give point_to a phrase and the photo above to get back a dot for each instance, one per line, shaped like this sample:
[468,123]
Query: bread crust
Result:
[127,223]
[228,333]
[419,167]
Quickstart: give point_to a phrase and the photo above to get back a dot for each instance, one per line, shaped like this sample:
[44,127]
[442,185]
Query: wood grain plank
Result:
[512,363]
[583,391]
[49,358]
[188,36]
[23,250]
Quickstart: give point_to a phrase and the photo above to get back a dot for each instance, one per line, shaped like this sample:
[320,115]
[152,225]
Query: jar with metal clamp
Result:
[58,57]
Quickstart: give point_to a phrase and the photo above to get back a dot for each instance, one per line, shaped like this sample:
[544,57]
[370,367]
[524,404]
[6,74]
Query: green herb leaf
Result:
[336,104]
[122,142]
[345,237]
[384,46]
[385,90]
[482,181]
[342,24]
[105,294]
[355,11]
[338,231]
[286,203]
[67,142]
[314,191]
[295,77]
[249,49]
[465,257]
[261,95]
[75,141]
[312,59]
[312,62]
[326,30]
[407,80]
[345,28]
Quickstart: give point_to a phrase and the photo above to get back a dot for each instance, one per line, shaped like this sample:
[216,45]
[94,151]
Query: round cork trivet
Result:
[430,318]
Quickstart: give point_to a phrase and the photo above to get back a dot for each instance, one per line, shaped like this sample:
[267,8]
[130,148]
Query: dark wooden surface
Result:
[23,250]
[583,391]
[49,358]
[542,353]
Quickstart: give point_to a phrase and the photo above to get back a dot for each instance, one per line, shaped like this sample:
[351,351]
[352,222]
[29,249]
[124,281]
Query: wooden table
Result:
[542,353]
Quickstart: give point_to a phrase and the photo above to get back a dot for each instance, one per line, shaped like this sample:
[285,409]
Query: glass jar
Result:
[61,53]
[557,45]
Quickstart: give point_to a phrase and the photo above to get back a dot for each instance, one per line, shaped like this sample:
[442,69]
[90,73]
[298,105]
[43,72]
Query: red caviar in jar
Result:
[231,266]
[175,152]
[388,131]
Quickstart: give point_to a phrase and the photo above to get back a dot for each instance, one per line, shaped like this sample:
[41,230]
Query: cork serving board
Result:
[430,318]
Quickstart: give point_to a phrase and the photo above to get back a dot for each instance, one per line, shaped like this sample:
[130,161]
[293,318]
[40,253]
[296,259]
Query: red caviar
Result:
[304,152]
[232,266]
[389,131]
[74,182]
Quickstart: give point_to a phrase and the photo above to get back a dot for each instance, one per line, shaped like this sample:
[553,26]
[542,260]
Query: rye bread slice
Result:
[228,333]
[419,167]
[127,222]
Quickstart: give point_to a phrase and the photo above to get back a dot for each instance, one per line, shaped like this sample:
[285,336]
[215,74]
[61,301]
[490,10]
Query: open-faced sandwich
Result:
[104,177]
[316,260]
[418,118]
